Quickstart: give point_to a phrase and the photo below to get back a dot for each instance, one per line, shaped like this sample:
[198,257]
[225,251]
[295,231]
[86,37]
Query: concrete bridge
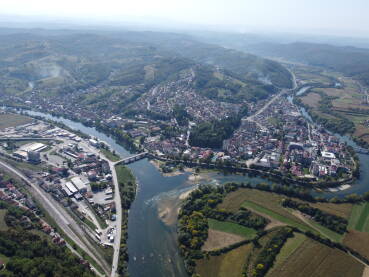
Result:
[132,159]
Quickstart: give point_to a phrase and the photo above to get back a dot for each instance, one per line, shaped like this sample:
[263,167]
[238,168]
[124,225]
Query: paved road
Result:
[271,101]
[62,218]
[118,233]
[118,205]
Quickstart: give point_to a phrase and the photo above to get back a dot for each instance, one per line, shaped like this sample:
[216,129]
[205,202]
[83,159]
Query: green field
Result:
[13,120]
[124,174]
[359,219]
[110,155]
[295,223]
[232,228]
[326,232]
[270,201]
[3,226]
[276,216]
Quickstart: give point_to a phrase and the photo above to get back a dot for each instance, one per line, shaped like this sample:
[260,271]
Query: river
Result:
[152,245]
[361,185]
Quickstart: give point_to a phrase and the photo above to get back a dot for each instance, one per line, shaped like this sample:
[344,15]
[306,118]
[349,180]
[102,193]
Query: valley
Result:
[252,154]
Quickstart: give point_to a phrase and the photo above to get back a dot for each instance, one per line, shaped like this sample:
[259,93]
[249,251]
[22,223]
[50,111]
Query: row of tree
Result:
[268,254]
[332,222]
[127,190]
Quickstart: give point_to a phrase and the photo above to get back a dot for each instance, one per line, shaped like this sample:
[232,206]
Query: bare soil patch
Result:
[312,99]
[358,241]
[218,239]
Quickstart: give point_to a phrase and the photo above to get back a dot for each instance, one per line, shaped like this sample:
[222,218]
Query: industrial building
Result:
[25,150]
[80,184]
[71,187]
[34,147]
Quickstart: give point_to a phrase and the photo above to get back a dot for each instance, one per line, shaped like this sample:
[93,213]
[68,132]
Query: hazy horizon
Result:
[338,18]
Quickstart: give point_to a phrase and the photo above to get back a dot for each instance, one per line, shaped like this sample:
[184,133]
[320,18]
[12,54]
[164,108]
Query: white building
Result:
[328,155]
[93,142]
[34,147]
[71,187]
[80,184]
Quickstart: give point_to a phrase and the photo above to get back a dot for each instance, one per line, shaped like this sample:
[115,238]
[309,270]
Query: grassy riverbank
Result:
[127,190]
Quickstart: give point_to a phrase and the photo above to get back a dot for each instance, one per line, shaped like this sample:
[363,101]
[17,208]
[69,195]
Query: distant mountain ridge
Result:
[96,68]
[351,61]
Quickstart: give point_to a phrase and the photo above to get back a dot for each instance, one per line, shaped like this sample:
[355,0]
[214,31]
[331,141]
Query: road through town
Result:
[271,101]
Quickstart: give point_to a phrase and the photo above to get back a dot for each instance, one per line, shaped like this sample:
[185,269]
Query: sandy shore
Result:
[168,209]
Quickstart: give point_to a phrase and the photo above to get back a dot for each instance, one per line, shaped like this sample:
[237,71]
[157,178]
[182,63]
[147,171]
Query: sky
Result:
[346,17]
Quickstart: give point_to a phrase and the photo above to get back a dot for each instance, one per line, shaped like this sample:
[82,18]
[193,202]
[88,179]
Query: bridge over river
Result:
[132,159]
[361,151]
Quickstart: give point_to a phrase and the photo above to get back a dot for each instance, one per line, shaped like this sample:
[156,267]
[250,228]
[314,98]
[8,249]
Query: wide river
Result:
[152,243]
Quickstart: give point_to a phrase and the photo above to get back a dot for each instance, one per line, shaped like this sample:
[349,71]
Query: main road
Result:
[65,222]
[271,101]
[118,205]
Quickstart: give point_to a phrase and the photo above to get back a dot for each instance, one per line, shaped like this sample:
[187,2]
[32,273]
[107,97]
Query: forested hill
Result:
[247,65]
[351,61]
[62,61]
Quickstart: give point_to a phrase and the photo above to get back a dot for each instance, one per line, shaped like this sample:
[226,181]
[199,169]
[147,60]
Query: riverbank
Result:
[181,166]
[151,243]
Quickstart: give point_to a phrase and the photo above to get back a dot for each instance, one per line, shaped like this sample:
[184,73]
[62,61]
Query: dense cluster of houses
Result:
[267,140]
[162,99]
[281,138]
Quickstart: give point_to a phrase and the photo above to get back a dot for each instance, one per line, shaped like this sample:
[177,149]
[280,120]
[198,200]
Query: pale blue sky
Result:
[324,16]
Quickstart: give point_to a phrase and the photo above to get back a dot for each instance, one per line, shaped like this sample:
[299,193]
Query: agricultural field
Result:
[269,206]
[276,215]
[342,210]
[295,253]
[287,250]
[13,120]
[359,219]
[314,259]
[218,240]
[348,101]
[269,202]
[311,75]
[358,241]
[229,264]
[311,99]
[229,227]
